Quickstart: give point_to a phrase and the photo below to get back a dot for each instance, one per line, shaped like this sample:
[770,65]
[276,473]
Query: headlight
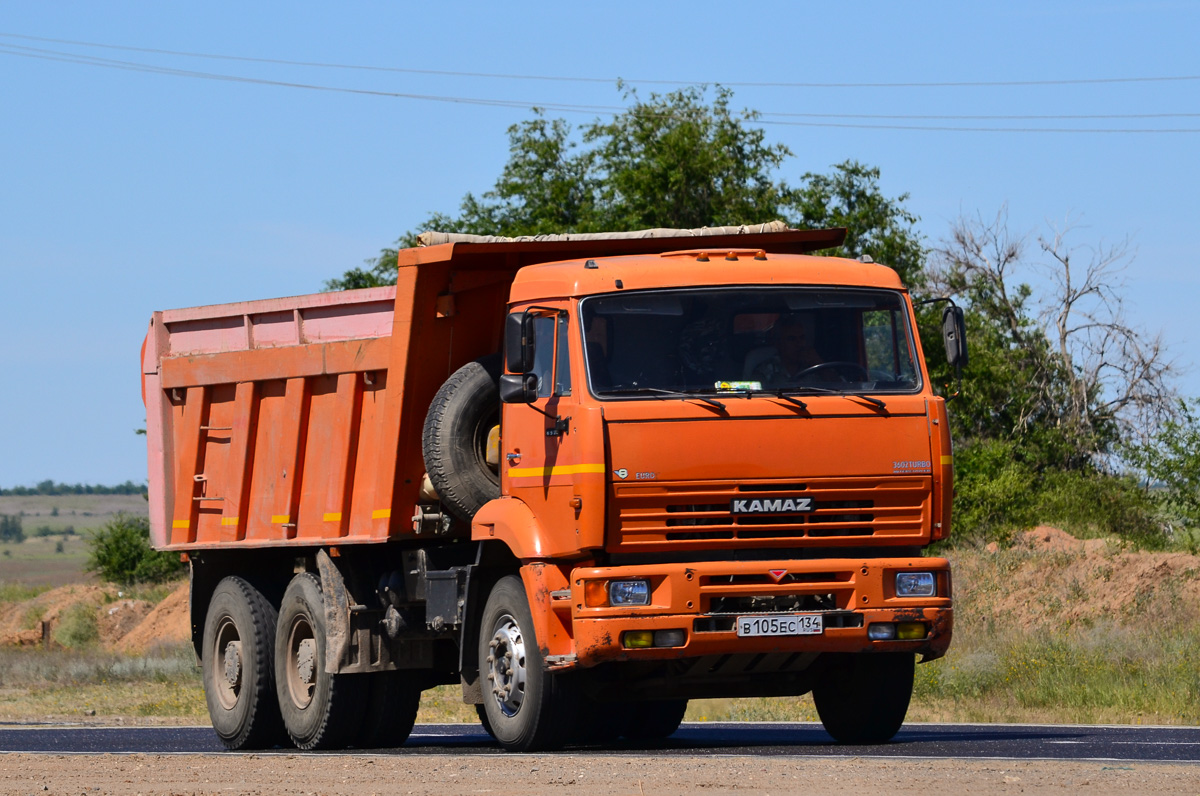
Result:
[915,584]
[629,592]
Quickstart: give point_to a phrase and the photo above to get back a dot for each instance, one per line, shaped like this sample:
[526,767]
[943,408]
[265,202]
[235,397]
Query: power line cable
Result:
[88,60]
[647,81]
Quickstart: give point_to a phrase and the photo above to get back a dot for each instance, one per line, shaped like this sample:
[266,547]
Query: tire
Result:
[655,721]
[454,442]
[320,710]
[863,698]
[532,711]
[393,699]
[484,721]
[238,662]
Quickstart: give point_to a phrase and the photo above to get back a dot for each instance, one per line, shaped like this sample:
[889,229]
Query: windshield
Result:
[748,340]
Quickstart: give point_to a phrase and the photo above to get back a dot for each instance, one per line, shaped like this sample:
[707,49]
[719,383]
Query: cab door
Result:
[541,460]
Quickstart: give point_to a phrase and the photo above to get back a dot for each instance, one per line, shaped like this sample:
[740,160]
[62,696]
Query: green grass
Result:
[34,562]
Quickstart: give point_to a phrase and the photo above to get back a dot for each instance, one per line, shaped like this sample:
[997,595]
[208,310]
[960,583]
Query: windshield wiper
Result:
[826,391]
[665,393]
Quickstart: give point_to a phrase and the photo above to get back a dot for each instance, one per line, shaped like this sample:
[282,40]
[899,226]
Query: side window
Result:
[562,368]
[543,357]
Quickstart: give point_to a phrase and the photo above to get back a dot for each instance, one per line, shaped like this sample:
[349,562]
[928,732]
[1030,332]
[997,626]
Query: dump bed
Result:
[298,421]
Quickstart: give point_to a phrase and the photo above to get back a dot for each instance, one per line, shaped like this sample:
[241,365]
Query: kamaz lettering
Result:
[771,506]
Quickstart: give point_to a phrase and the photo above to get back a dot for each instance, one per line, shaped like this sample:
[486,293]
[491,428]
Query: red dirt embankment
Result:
[123,624]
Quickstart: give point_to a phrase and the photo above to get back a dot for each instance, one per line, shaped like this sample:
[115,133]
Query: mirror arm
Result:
[958,367]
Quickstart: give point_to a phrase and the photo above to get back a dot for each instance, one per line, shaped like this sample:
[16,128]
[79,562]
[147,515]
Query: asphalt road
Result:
[984,741]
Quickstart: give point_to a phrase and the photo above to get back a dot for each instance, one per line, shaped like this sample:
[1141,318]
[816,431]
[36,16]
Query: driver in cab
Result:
[794,354]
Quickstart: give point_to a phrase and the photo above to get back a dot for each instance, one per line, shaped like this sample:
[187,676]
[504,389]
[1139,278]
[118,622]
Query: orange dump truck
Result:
[588,478]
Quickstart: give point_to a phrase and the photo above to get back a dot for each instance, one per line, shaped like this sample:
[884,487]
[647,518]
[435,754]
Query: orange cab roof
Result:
[696,267]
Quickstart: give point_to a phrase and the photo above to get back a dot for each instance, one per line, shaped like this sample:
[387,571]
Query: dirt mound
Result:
[119,618]
[19,621]
[125,624]
[1049,580]
[168,623]
[1045,537]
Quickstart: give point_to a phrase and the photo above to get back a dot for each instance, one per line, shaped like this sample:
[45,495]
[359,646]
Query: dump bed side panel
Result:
[258,414]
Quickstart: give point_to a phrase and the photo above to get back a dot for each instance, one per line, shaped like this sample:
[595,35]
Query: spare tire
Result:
[462,415]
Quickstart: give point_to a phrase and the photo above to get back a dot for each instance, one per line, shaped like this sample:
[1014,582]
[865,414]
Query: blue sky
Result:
[125,192]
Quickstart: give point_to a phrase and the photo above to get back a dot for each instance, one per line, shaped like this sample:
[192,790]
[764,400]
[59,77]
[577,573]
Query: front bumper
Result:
[703,599]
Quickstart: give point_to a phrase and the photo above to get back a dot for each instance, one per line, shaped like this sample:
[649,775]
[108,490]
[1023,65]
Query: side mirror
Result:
[954,335]
[518,388]
[518,342]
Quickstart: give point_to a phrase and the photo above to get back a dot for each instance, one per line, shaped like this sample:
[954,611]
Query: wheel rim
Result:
[227,663]
[506,666]
[301,662]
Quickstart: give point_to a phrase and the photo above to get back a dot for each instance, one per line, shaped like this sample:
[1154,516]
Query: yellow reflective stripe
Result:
[333,516]
[381,514]
[181,524]
[564,469]
[229,520]
[947,459]
[280,519]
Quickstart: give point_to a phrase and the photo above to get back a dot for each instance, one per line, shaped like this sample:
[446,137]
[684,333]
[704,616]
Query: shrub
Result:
[77,627]
[998,492]
[10,528]
[121,553]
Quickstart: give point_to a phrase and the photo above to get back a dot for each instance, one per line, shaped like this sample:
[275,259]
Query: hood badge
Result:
[777,575]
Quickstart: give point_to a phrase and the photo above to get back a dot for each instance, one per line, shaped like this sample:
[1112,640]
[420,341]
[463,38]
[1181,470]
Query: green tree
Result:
[1170,462]
[120,552]
[675,161]
[11,529]
[877,226]
[670,160]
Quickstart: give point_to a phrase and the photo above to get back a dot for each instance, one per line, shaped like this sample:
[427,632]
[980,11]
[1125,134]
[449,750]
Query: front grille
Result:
[680,515]
[772,604]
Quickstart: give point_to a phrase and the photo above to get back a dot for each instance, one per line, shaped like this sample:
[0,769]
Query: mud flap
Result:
[337,614]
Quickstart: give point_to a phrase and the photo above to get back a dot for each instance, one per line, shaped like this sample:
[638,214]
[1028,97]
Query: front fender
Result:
[511,521]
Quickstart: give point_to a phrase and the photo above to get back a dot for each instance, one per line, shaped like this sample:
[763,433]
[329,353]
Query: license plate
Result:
[787,625]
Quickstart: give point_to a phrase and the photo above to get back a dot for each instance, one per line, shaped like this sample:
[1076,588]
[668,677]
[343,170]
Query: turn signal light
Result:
[910,630]
[595,593]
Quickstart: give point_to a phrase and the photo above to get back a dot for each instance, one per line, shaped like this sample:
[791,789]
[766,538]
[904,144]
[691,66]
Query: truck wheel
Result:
[320,710]
[654,721]
[484,721]
[863,698]
[393,699]
[455,440]
[527,707]
[238,659]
